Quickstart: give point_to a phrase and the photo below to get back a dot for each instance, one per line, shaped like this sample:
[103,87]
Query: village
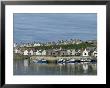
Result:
[44,51]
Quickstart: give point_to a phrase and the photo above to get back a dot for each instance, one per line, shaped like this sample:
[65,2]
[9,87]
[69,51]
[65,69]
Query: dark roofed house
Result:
[63,52]
[77,53]
[52,52]
[90,48]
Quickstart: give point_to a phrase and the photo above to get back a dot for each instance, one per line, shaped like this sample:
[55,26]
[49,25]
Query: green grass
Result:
[68,46]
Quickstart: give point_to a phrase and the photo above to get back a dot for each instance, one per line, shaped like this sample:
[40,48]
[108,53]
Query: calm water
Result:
[23,67]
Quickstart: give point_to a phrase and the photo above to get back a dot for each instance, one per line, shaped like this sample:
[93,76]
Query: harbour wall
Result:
[65,58]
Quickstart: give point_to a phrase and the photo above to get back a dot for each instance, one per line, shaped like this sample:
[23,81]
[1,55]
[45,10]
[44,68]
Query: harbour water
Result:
[24,67]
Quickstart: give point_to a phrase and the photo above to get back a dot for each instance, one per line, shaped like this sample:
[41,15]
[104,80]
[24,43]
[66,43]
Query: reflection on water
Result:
[23,67]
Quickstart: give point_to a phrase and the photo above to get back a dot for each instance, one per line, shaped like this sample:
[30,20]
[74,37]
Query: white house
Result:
[95,53]
[44,52]
[73,52]
[73,42]
[28,45]
[85,53]
[25,52]
[14,45]
[38,52]
[31,52]
[77,41]
[36,44]
[69,52]
[15,50]
[20,52]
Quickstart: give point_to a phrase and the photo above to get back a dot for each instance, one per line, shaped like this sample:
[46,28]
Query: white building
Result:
[95,53]
[44,52]
[14,45]
[20,52]
[31,52]
[38,52]
[85,53]
[36,44]
[25,52]
[16,50]
[73,52]
[77,41]
[69,52]
[73,42]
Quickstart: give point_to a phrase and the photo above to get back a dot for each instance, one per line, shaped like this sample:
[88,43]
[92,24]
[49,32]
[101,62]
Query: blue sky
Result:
[45,27]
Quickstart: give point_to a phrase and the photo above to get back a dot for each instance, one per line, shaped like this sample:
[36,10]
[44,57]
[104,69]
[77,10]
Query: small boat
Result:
[67,61]
[88,60]
[64,61]
[82,60]
[44,61]
[60,61]
[72,61]
[35,61]
[40,61]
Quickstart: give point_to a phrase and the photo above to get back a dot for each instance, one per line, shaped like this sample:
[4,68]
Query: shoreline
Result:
[54,59]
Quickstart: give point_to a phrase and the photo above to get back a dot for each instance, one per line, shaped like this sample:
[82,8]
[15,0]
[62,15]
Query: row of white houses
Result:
[30,52]
[55,52]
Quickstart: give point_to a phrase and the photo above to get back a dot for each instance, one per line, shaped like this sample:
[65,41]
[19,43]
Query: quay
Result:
[58,57]
[52,59]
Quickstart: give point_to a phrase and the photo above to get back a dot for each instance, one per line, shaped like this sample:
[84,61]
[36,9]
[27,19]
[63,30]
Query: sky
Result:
[47,27]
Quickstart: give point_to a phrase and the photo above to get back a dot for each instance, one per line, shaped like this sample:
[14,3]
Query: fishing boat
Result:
[34,61]
[71,61]
[40,61]
[60,61]
[44,61]
[67,61]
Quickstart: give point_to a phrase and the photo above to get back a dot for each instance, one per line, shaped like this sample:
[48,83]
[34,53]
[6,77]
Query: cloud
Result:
[54,26]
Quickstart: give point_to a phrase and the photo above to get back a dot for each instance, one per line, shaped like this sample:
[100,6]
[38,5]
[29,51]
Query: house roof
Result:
[90,48]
